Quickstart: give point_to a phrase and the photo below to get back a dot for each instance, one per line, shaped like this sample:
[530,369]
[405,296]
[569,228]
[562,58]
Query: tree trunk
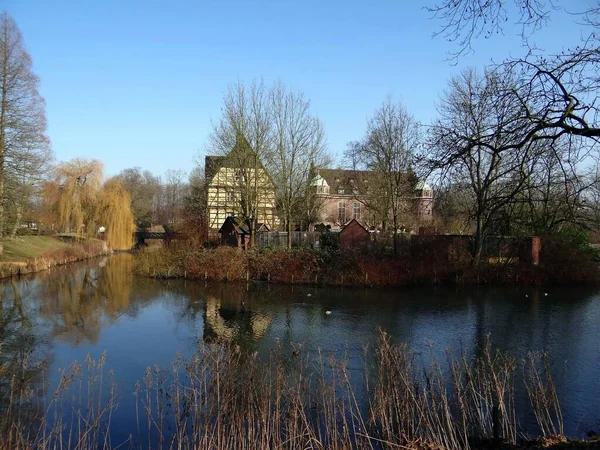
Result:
[17,224]
[479,239]
[289,231]
[395,235]
[3,106]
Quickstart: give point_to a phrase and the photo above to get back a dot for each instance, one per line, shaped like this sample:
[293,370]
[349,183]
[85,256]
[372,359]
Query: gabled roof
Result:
[241,156]
[349,180]
[357,222]
[240,226]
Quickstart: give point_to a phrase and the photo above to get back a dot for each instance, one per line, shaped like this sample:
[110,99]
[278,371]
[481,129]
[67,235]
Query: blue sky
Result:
[137,83]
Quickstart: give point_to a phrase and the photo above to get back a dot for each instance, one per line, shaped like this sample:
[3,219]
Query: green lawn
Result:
[23,248]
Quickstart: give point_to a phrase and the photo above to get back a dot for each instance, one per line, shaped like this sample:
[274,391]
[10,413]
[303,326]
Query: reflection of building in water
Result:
[231,321]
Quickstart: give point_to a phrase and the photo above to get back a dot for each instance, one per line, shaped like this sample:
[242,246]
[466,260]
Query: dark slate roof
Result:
[241,155]
[349,180]
[241,226]
[212,164]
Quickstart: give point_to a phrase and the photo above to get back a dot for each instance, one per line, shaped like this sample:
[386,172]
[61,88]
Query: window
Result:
[229,196]
[342,213]
[356,213]
[340,190]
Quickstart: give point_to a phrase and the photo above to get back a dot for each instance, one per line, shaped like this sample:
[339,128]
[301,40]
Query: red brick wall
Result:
[353,235]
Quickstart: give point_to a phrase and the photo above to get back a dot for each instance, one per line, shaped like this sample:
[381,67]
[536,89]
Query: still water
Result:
[88,308]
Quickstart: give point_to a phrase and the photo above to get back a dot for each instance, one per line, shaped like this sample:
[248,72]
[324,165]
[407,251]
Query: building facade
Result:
[345,195]
[239,185]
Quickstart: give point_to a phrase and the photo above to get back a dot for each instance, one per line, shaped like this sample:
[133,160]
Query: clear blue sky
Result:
[137,83]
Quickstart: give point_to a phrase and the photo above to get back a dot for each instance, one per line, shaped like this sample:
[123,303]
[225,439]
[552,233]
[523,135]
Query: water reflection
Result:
[79,303]
[63,314]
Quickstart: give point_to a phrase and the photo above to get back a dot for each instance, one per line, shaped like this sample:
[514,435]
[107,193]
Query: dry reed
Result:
[225,397]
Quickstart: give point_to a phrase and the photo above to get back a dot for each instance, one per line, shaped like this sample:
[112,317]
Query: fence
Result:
[279,239]
[496,249]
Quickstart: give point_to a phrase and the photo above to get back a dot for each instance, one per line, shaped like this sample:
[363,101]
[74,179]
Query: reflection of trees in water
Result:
[21,353]
[76,302]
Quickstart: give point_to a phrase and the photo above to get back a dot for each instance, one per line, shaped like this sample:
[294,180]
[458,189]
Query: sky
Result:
[140,83]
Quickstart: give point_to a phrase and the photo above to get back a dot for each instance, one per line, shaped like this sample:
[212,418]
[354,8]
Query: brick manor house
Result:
[341,195]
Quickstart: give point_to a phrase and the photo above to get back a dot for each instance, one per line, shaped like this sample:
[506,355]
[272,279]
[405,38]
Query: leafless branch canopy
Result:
[466,20]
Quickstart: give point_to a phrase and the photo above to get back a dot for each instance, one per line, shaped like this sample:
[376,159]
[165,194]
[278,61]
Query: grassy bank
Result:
[28,254]
[226,398]
[24,248]
[422,265]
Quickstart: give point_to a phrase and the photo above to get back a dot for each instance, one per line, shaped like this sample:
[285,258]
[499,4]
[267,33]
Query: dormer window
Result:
[340,190]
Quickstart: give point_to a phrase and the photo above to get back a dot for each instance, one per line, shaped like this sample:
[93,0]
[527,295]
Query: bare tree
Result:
[387,150]
[244,137]
[25,172]
[195,202]
[143,188]
[298,146]
[554,195]
[466,20]
[558,92]
[22,113]
[175,190]
[473,142]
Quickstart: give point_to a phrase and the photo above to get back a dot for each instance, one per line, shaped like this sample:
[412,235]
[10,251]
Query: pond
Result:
[66,313]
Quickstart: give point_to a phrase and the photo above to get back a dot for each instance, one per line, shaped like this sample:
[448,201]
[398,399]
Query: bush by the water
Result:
[564,259]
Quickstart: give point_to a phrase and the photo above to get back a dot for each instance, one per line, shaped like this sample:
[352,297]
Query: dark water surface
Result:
[97,306]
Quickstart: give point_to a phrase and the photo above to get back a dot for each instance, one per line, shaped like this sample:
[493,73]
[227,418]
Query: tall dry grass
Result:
[224,397]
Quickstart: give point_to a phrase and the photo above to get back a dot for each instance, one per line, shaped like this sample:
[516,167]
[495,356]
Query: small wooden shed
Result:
[235,233]
[353,235]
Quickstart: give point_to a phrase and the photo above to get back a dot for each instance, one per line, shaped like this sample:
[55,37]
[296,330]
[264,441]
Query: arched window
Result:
[356,211]
[342,213]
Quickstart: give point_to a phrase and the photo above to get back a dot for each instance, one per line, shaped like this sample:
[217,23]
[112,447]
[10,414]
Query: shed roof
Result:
[354,223]
[241,226]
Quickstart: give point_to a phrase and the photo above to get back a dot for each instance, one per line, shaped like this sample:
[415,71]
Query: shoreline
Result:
[351,268]
[54,257]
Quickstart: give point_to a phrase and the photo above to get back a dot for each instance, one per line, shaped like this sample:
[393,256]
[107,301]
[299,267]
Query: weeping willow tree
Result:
[113,212]
[81,203]
[77,184]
